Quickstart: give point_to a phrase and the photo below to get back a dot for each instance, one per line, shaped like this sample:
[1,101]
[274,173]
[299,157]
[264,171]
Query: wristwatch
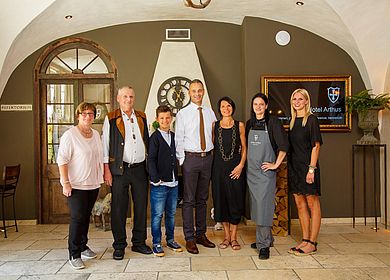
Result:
[311,170]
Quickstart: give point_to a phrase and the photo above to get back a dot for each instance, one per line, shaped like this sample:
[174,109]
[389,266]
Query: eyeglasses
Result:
[84,114]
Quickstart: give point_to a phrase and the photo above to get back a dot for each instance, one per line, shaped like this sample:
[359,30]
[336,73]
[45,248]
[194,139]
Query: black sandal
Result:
[300,252]
[294,249]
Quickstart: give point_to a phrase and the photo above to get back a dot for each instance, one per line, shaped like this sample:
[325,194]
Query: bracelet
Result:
[64,182]
[312,167]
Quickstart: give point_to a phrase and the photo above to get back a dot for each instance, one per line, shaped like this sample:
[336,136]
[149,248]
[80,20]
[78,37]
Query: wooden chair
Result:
[8,189]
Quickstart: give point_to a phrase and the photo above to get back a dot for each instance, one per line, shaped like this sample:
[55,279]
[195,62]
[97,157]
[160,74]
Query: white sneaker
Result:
[76,263]
[88,254]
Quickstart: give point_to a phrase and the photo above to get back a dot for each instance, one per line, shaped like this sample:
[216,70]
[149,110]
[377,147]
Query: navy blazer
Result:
[161,158]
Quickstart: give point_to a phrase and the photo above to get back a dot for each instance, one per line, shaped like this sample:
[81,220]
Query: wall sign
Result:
[16,107]
[327,96]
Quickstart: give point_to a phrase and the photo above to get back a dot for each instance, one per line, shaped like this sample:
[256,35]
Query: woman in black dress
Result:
[227,178]
[304,170]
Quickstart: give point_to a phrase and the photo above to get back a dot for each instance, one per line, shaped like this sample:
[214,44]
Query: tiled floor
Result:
[39,252]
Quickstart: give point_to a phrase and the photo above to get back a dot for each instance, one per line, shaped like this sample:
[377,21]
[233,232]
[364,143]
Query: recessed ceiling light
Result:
[68,17]
[300,3]
[282,38]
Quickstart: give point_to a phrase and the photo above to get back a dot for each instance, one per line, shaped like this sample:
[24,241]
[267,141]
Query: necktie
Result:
[201,130]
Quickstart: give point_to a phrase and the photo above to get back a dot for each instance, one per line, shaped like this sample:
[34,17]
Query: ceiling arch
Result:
[27,26]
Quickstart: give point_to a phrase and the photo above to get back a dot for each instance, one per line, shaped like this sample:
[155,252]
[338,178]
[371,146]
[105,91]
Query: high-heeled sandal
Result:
[300,252]
[294,249]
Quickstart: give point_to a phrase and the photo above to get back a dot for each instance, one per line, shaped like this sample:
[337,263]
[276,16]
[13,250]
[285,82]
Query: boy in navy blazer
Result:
[162,166]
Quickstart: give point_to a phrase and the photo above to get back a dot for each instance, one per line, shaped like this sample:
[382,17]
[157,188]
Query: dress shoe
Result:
[191,247]
[143,249]
[264,253]
[118,254]
[204,241]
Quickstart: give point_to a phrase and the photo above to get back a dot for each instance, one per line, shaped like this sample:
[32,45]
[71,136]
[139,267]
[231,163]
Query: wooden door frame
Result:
[40,75]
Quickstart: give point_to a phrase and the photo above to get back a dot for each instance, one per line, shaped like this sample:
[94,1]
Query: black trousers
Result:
[137,178]
[196,176]
[80,204]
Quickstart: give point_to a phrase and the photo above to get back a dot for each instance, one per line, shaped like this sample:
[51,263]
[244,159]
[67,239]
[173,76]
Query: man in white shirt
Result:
[125,139]
[193,150]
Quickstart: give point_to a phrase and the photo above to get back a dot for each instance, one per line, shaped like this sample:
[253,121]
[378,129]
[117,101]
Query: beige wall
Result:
[232,58]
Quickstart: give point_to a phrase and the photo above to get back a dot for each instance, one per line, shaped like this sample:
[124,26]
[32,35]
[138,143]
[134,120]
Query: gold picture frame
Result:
[327,96]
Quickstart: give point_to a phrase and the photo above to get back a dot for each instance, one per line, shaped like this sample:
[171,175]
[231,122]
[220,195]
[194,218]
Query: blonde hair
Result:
[307,107]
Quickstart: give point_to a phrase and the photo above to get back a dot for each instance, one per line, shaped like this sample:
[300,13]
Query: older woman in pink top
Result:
[80,161]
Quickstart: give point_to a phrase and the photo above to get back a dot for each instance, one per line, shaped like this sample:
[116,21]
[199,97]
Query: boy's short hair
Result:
[163,109]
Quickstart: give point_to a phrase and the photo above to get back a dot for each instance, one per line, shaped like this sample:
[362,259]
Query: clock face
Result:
[174,93]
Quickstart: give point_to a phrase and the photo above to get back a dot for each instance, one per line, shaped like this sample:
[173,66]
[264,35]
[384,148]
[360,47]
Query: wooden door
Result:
[59,100]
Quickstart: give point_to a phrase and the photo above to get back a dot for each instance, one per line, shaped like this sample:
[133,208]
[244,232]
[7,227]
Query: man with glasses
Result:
[125,138]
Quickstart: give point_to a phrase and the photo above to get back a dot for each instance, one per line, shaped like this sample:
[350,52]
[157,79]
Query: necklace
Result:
[221,149]
[86,133]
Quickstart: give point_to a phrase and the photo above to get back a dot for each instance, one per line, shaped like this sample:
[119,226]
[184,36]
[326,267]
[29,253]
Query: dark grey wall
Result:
[232,58]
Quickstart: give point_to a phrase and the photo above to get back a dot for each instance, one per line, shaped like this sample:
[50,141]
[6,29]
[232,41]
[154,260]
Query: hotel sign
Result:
[16,107]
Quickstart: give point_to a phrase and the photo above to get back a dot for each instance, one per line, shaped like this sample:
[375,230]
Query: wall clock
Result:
[173,92]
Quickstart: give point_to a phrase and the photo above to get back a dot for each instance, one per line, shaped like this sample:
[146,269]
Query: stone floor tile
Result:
[22,255]
[286,262]
[277,274]
[62,228]
[322,249]
[41,236]
[11,235]
[332,238]
[385,258]
[48,244]
[36,228]
[12,245]
[30,267]
[378,273]
[367,237]
[348,261]
[360,248]
[225,263]
[100,242]
[332,274]
[158,264]
[97,266]
[56,254]
[338,228]
[124,276]
[93,234]
[246,250]
[193,275]
[10,277]
[83,276]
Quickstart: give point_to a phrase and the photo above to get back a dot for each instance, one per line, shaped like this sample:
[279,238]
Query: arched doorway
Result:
[68,72]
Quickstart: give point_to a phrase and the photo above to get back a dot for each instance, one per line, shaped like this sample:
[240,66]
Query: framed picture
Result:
[327,97]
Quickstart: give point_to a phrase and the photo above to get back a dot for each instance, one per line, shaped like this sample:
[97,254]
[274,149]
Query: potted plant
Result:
[367,106]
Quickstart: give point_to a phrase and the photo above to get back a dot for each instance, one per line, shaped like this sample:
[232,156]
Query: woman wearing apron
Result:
[304,170]
[267,147]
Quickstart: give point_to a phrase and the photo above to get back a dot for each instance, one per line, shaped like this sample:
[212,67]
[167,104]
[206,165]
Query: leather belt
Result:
[132,165]
[201,154]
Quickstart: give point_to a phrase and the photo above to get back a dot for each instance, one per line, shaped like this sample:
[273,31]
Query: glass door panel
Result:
[100,95]
[59,116]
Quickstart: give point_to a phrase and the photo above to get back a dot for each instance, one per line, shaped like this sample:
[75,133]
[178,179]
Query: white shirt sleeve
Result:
[179,138]
[106,140]
[65,149]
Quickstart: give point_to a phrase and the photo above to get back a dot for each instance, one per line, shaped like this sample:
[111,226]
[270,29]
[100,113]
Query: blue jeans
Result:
[163,199]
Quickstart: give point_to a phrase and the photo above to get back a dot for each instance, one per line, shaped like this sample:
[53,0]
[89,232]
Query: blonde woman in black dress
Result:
[227,178]
[304,170]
